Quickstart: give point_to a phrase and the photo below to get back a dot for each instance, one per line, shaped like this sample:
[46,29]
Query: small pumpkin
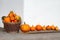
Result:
[12,18]
[53,27]
[25,27]
[15,20]
[3,17]
[7,19]
[38,27]
[44,28]
[32,28]
[12,21]
[56,28]
[14,14]
[17,17]
[11,14]
[48,27]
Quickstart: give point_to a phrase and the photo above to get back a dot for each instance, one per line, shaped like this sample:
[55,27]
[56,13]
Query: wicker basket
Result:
[12,27]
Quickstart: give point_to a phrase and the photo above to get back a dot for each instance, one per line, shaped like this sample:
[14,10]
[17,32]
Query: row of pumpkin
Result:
[13,18]
[26,27]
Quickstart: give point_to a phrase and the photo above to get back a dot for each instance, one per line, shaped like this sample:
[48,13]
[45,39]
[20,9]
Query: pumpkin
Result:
[38,27]
[18,18]
[7,19]
[56,28]
[12,18]
[14,15]
[3,17]
[11,14]
[15,20]
[32,28]
[12,21]
[25,27]
[48,27]
[53,27]
[44,28]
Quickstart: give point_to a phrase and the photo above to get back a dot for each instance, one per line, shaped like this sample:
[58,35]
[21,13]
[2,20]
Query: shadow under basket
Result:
[12,27]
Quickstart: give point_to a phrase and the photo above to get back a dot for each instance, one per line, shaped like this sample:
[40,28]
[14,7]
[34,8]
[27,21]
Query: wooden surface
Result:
[29,36]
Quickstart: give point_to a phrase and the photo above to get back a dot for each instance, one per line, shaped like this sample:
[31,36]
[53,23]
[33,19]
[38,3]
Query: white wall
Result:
[7,5]
[44,12]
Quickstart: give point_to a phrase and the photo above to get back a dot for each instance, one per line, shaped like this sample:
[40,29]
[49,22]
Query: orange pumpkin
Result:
[56,28]
[12,21]
[38,27]
[53,27]
[44,28]
[25,27]
[15,20]
[11,14]
[12,18]
[15,15]
[48,27]
[3,17]
[7,19]
[32,28]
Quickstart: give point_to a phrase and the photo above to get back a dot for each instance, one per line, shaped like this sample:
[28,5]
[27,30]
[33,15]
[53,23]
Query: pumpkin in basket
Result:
[18,18]
[32,28]
[15,20]
[7,19]
[11,14]
[38,27]
[10,23]
[12,18]
[3,17]
[25,27]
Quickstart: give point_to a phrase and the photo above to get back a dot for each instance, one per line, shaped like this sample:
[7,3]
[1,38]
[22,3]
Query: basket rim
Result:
[12,22]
